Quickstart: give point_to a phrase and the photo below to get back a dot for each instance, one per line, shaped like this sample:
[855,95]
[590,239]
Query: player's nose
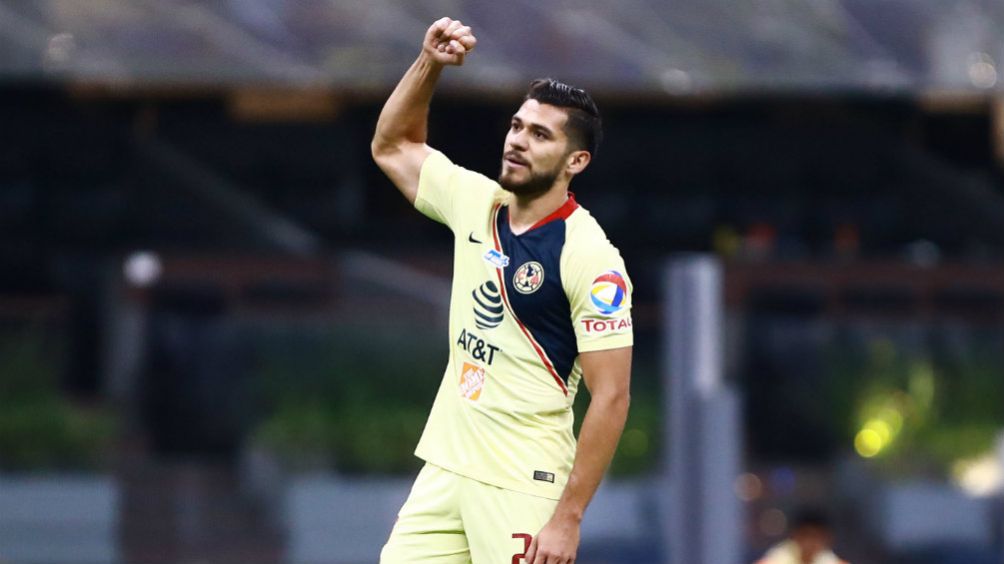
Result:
[517,141]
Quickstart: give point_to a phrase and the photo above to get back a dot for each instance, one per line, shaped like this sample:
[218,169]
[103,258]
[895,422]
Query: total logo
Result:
[472,381]
[609,292]
[605,326]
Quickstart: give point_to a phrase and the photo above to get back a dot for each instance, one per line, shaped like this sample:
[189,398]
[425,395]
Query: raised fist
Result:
[448,41]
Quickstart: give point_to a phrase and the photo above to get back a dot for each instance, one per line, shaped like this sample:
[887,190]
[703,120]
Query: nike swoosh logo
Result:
[472,239]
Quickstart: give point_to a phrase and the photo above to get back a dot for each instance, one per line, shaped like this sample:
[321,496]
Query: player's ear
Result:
[577,161]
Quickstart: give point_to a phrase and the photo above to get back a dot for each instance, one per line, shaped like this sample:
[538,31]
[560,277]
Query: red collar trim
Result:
[563,212]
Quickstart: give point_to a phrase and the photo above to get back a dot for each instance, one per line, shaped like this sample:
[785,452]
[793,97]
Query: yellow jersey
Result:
[522,309]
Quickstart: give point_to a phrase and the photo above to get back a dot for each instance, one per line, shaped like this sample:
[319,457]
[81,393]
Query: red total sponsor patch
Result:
[600,326]
[472,380]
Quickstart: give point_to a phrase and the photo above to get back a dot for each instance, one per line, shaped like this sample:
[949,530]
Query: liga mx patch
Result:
[496,258]
[609,292]
[542,476]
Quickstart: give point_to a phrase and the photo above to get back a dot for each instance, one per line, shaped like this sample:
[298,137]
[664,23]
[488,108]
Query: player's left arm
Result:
[607,374]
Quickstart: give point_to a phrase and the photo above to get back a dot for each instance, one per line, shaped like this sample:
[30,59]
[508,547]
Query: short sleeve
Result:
[444,188]
[599,292]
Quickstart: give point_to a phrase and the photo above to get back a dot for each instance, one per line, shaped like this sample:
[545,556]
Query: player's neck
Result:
[527,211]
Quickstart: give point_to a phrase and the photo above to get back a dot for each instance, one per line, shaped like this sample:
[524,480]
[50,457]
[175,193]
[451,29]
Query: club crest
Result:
[528,278]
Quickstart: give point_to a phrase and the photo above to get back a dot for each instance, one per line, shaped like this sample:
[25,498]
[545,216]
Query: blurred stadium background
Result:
[221,328]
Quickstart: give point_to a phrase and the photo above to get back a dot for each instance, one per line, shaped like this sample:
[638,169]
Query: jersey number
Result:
[526,546]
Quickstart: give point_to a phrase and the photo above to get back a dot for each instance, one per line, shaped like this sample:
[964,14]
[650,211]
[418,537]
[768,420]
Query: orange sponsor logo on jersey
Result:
[472,380]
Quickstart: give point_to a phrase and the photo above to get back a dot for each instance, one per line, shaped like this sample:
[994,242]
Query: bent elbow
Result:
[380,149]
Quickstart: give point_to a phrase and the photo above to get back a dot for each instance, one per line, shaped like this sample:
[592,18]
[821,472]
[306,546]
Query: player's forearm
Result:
[598,437]
[405,116]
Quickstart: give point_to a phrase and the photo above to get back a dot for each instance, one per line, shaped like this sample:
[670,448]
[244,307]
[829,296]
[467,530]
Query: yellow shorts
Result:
[450,519]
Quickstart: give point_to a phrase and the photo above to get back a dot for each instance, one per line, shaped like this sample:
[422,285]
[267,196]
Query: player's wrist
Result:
[568,515]
[428,59]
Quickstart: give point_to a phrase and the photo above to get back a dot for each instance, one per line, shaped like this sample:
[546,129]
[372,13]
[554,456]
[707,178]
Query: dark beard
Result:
[536,185]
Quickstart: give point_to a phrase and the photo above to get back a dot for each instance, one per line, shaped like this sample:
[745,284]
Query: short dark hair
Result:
[811,517]
[584,126]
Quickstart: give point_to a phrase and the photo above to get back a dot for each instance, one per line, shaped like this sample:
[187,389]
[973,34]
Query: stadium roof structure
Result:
[678,47]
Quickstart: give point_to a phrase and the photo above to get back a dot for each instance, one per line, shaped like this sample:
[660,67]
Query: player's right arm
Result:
[399,143]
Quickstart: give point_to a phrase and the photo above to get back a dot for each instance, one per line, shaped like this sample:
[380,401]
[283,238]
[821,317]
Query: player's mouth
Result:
[515,161]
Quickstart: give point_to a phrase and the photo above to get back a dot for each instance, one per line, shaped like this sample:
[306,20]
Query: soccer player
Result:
[809,542]
[540,301]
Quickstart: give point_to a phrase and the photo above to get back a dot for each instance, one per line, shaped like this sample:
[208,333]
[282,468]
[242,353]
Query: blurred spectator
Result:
[808,542]
[760,241]
[847,241]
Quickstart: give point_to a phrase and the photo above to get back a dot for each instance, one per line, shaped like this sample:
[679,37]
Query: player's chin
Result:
[508,178]
[514,173]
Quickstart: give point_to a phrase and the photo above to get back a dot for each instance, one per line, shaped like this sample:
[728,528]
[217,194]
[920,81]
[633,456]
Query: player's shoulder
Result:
[585,236]
[588,252]
[437,164]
